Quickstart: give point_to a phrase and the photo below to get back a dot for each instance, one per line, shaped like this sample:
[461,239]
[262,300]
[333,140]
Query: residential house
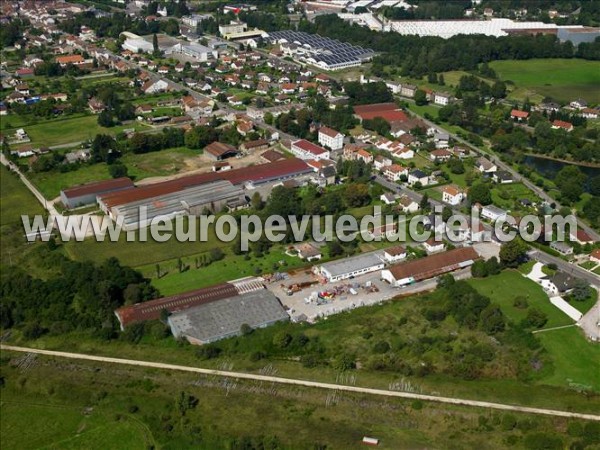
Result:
[153,87]
[493,213]
[96,106]
[331,138]
[394,172]
[578,104]
[590,113]
[595,256]
[408,205]
[388,198]
[502,177]
[364,155]
[562,125]
[433,246]
[380,162]
[485,165]
[561,247]
[558,284]
[518,115]
[452,195]
[582,237]
[440,98]
[394,254]
[418,176]
[440,155]
[408,90]
[308,251]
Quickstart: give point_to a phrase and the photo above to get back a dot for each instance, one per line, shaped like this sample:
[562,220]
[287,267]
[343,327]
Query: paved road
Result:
[565,266]
[516,176]
[313,384]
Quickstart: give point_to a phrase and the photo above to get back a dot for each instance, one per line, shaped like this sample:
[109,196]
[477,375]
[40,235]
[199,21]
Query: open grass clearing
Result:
[576,362]
[562,79]
[505,287]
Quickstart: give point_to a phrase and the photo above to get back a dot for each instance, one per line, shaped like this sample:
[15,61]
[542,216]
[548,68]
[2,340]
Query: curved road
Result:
[306,383]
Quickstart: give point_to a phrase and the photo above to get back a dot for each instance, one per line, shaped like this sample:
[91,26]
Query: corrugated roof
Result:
[98,187]
[256,174]
[152,309]
[431,266]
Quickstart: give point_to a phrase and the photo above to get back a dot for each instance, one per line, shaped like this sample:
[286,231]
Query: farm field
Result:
[16,199]
[562,79]
[137,408]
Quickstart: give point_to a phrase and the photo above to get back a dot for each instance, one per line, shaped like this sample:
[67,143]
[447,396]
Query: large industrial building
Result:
[350,267]
[328,54]
[213,196]
[190,194]
[431,266]
[86,194]
[224,318]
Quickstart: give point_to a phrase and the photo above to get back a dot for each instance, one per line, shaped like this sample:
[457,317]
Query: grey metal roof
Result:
[352,264]
[224,318]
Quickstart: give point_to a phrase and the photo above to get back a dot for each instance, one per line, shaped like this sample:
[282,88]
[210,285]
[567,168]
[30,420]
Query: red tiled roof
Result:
[152,309]
[434,265]
[257,173]
[562,124]
[309,147]
[395,251]
[388,111]
[98,187]
[329,132]
[519,114]
[69,59]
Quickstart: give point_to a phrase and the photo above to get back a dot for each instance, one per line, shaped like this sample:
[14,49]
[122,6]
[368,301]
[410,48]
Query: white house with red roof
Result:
[394,172]
[304,149]
[519,115]
[561,124]
[331,138]
[452,195]
[595,256]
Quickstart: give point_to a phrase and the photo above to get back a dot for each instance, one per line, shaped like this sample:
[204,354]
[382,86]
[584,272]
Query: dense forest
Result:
[79,296]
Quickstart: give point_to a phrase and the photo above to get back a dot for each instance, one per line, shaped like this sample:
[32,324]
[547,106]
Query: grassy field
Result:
[502,289]
[135,408]
[562,79]
[507,195]
[162,163]
[61,131]
[573,358]
[16,199]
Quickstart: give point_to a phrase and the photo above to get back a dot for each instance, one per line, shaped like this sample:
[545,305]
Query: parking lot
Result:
[299,293]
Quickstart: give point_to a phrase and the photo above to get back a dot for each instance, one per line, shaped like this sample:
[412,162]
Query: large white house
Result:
[493,213]
[331,138]
[304,149]
[452,195]
[152,87]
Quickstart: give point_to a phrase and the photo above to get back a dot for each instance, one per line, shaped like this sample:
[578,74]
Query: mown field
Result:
[165,162]
[138,408]
[562,79]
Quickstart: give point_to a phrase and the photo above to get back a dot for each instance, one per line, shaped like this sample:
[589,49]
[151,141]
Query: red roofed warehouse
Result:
[86,194]
[70,59]
[152,309]
[429,267]
[220,150]
[387,111]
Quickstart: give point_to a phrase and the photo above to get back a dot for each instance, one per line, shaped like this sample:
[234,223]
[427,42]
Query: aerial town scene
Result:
[300,224]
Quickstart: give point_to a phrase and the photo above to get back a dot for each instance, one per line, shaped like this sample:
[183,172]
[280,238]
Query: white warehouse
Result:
[350,267]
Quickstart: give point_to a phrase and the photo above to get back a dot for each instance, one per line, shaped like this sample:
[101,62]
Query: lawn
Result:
[562,79]
[507,195]
[588,265]
[164,162]
[576,361]
[502,289]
